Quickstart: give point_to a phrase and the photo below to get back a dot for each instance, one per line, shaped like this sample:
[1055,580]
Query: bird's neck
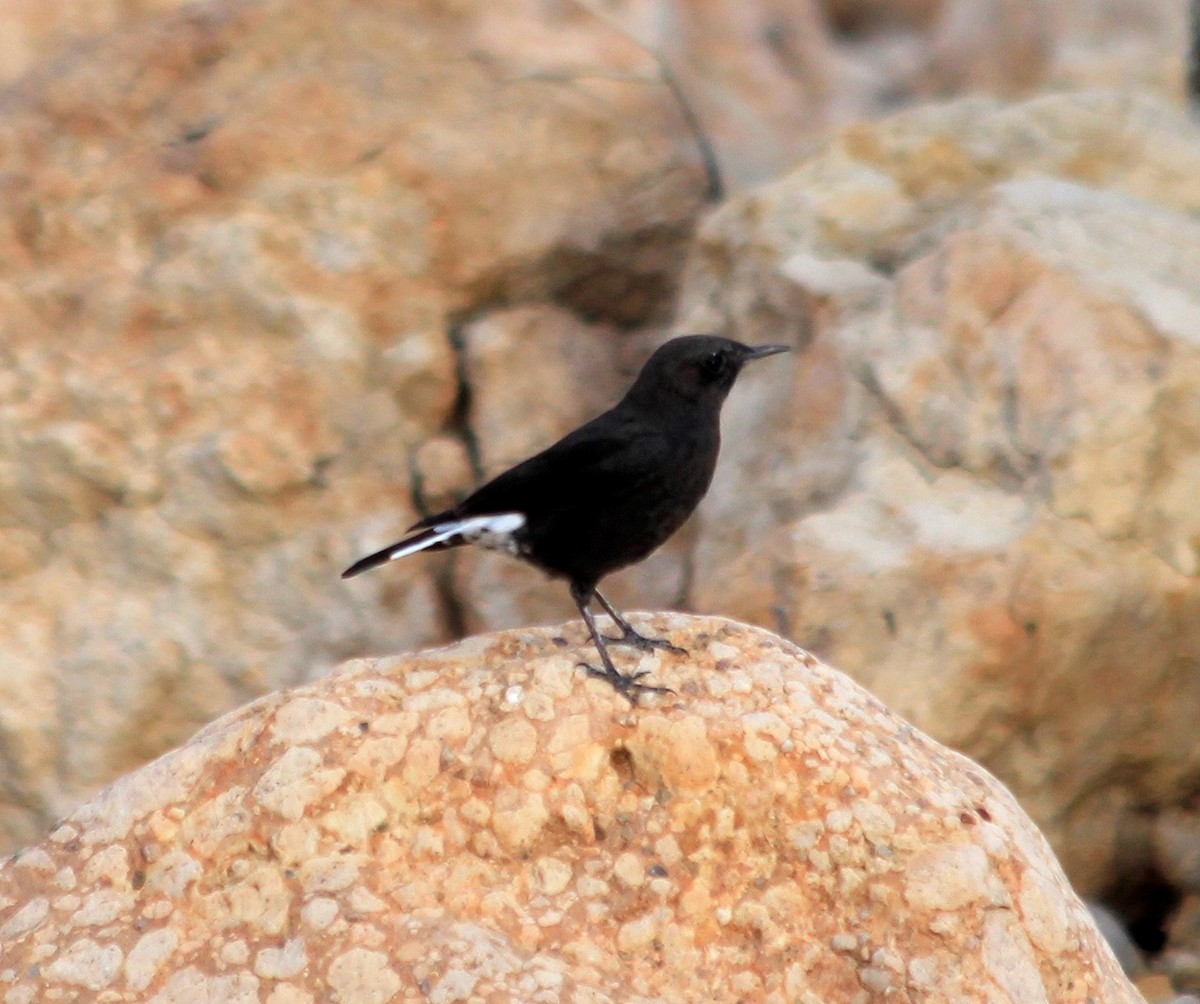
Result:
[670,405]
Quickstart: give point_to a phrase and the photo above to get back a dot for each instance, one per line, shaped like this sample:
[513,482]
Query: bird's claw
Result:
[627,686]
[639,641]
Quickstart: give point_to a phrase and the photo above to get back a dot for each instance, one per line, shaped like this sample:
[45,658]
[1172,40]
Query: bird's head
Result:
[696,367]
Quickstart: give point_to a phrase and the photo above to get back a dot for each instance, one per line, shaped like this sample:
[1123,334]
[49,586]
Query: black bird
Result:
[607,494]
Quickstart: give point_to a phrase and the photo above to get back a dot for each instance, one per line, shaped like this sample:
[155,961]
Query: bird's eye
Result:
[713,364]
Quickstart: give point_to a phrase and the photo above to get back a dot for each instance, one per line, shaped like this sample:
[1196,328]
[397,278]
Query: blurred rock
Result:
[235,243]
[443,471]
[1157,989]
[36,31]
[1126,44]
[1183,965]
[994,46]
[766,77]
[1183,930]
[533,372]
[1109,924]
[976,488]
[1177,848]
[485,821]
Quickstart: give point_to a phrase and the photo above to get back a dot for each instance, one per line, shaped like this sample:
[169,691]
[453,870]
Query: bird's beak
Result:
[762,351]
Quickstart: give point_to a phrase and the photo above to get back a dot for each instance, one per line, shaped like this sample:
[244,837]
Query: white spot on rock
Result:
[35,859]
[629,871]
[1044,909]
[552,875]
[1009,960]
[110,864]
[86,964]
[329,873]
[172,874]
[101,907]
[518,826]
[947,878]
[25,919]
[361,976]
[295,781]
[636,935]
[319,912]
[456,985]
[513,740]
[304,720]
[281,963]
[148,954]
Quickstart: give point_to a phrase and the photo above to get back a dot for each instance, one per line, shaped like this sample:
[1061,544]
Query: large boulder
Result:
[486,821]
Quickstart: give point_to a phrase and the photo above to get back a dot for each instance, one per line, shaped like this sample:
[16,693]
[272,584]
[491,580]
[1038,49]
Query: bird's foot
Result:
[627,686]
[639,641]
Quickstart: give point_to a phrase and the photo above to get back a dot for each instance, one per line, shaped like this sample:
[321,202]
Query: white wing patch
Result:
[494,532]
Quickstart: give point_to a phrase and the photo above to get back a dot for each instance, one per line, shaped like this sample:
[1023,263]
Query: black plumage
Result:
[608,494]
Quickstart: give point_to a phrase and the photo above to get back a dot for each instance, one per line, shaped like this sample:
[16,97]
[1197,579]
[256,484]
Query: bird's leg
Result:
[627,686]
[629,636]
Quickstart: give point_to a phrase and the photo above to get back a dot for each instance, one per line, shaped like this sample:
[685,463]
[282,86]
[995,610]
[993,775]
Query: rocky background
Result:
[278,277]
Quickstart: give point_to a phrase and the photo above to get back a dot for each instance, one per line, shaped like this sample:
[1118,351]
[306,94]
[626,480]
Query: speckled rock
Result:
[484,822]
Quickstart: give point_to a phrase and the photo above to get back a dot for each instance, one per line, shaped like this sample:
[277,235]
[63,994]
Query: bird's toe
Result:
[640,641]
[625,685]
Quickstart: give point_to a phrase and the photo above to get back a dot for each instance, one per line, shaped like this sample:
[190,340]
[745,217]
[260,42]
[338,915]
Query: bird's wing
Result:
[491,530]
[608,457]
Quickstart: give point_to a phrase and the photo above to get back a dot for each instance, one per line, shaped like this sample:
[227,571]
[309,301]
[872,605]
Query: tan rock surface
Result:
[484,822]
[976,490]
[764,76]
[768,77]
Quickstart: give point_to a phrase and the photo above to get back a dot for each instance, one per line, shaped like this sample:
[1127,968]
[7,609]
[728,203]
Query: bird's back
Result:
[609,493]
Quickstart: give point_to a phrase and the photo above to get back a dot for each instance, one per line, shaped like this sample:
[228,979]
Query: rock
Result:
[237,244]
[1177,848]
[37,32]
[1156,988]
[485,820]
[764,77]
[1128,954]
[996,46]
[535,371]
[768,78]
[1183,965]
[975,488]
[1142,45]
[1183,930]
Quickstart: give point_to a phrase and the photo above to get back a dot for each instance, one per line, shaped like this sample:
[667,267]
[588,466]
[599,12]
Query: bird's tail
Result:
[448,533]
